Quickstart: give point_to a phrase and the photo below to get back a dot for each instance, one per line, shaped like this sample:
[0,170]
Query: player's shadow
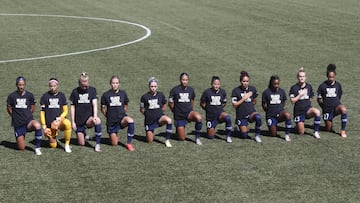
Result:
[13,145]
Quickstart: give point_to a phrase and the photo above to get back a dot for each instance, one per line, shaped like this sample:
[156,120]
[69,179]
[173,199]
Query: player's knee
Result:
[67,124]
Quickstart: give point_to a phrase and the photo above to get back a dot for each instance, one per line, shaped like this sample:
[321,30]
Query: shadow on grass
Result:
[13,145]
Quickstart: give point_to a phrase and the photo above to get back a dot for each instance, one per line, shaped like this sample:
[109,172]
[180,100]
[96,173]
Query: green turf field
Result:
[203,38]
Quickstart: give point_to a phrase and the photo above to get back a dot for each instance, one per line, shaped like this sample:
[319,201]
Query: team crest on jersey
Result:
[115,101]
[215,100]
[21,103]
[54,103]
[84,98]
[330,92]
[184,97]
[275,99]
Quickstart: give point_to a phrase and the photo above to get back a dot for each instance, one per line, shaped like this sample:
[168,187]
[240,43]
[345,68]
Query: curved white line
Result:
[148,33]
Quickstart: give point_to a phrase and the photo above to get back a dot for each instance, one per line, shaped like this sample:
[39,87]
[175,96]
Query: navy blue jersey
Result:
[330,94]
[21,108]
[153,106]
[82,100]
[214,103]
[304,102]
[114,102]
[52,105]
[275,101]
[247,107]
[182,101]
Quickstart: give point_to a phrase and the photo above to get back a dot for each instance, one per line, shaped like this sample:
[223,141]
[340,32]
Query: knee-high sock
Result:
[38,135]
[343,121]
[288,126]
[258,124]
[317,121]
[67,135]
[98,133]
[168,131]
[228,125]
[198,127]
[130,132]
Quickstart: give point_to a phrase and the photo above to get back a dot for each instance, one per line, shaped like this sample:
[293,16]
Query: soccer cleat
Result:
[97,148]
[343,134]
[228,139]
[316,135]
[130,147]
[258,138]
[197,141]
[167,143]
[287,138]
[67,148]
[38,151]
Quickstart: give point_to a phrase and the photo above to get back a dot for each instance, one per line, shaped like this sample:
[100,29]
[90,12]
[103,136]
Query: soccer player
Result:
[114,105]
[53,112]
[152,106]
[301,95]
[329,96]
[21,106]
[84,111]
[213,101]
[181,103]
[273,103]
[243,99]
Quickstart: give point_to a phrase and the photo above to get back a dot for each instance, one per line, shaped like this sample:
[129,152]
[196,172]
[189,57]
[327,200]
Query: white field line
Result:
[148,33]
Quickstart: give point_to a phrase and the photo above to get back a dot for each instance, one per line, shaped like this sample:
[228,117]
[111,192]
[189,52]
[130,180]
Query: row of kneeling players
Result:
[114,104]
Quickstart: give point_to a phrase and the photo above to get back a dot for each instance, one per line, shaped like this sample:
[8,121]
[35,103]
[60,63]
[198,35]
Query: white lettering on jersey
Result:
[54,103]
[275,99]
[21,103]
[115,101]
[248,99]
[330,92]
[184,97]
[306,95]
[84,98]
[215,100]
[153,104]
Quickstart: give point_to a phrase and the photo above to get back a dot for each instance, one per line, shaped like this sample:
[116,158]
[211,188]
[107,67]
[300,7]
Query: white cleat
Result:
[316,135]
[38,151]
[258,139]
[228,139]
[67,148]
[287,138]
[198,142]
[167,143]
[97,148]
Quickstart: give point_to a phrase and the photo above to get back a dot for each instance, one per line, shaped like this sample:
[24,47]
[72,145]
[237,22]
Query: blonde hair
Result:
[301,70]
[84,76]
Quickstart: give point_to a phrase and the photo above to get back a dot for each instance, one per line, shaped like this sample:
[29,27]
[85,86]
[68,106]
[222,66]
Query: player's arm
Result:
[9,109]
[264,105]
[42,118]
[126,107]
[64,113]
[32,108]
[171,104]
[72,114]
[103,110]
[203,105]
[95,108]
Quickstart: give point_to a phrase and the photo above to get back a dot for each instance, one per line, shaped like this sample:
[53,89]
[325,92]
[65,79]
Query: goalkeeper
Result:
[53,112]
